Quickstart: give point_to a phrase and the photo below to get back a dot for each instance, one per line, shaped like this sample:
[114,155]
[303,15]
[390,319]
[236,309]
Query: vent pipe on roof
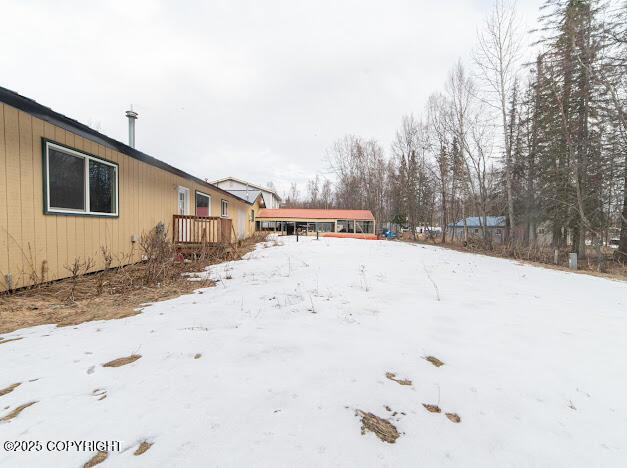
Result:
[132,117]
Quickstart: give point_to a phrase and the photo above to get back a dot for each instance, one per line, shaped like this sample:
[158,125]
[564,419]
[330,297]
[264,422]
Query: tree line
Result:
[537,134]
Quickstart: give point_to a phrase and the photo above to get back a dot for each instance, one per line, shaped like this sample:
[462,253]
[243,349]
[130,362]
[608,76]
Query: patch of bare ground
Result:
[117,291]
[96,459]
[9,389]
[197,356]
[434,360]
[382,428]
[13,414]
[454,417]
[122,361]
[432,408]
[143,448]
[392,376]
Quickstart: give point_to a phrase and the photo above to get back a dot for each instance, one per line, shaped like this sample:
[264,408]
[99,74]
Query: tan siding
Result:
[14,206]
[4,247]
[26,193]
[38,205]
[52,244]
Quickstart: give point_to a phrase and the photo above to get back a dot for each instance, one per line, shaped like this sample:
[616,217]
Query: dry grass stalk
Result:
[17,411]
[383,429]
[435,361]
[96,459]
[432,408]
[143,448]
[9,340]
[9,389]
[123,361]
[392,376]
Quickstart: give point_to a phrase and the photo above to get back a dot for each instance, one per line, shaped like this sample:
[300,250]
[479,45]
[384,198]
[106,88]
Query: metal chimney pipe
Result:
[132,117]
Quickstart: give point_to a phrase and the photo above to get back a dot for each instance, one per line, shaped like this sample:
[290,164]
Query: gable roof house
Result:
[66,191]
[245,189]
[494,226]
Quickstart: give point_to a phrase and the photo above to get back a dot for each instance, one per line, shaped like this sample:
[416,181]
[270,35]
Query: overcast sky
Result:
[258,90]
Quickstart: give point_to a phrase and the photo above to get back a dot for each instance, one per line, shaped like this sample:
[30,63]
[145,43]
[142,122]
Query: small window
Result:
[224,208]
[476,230]
[498,231]
[252,215]
[78,183]
[540,230]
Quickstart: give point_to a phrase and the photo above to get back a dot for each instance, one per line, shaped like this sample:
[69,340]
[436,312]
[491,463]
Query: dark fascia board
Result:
[35,109]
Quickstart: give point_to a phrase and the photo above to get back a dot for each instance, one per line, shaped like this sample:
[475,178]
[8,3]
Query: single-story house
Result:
[245,189]
[339,223]
[494,226]
[67,191]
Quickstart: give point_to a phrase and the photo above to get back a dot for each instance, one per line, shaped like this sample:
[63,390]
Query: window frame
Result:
[48,210]
[224,213]
[203,194]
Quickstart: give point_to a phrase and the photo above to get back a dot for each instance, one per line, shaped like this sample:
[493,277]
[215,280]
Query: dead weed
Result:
[119,362]
[9,389]
[143,448]
[17,411]
[392,376]
[432,408]
[454,417]
[383,429]
[435,361]
[96,459]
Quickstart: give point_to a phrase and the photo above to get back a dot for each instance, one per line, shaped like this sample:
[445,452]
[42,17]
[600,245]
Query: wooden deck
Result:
[200,230]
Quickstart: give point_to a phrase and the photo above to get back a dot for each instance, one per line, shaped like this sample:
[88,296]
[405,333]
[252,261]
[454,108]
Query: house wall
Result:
[32,242]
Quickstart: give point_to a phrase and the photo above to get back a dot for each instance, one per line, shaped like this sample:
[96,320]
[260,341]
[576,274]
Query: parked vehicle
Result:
[389,234]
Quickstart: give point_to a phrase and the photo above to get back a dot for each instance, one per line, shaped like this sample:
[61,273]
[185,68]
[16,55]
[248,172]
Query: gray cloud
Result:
[253,89]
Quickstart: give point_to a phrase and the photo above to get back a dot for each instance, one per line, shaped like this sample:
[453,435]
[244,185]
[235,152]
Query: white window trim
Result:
[87,158]
[222,203]
[185,190]
[198,192]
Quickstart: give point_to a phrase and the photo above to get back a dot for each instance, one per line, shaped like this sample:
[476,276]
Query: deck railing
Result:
[189,229]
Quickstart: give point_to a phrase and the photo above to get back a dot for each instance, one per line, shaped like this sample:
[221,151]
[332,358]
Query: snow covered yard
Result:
[271,366]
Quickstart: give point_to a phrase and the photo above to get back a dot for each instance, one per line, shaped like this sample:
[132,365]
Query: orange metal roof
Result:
[305,213]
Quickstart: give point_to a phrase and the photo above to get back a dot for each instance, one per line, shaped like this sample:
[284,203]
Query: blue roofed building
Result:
[494,228]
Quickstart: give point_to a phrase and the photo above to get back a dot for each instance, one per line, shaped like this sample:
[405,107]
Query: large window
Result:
[345,225]
[77,183]
[364,227]
[203,204]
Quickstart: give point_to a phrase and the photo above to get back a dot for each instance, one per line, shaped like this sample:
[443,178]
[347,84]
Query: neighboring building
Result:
[495,228]
[244,189]
[342,223]
[66,191]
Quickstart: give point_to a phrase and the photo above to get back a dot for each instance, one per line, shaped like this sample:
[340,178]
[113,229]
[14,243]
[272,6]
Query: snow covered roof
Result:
[476,221]
[308,213]
[249,195]
[245,182]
